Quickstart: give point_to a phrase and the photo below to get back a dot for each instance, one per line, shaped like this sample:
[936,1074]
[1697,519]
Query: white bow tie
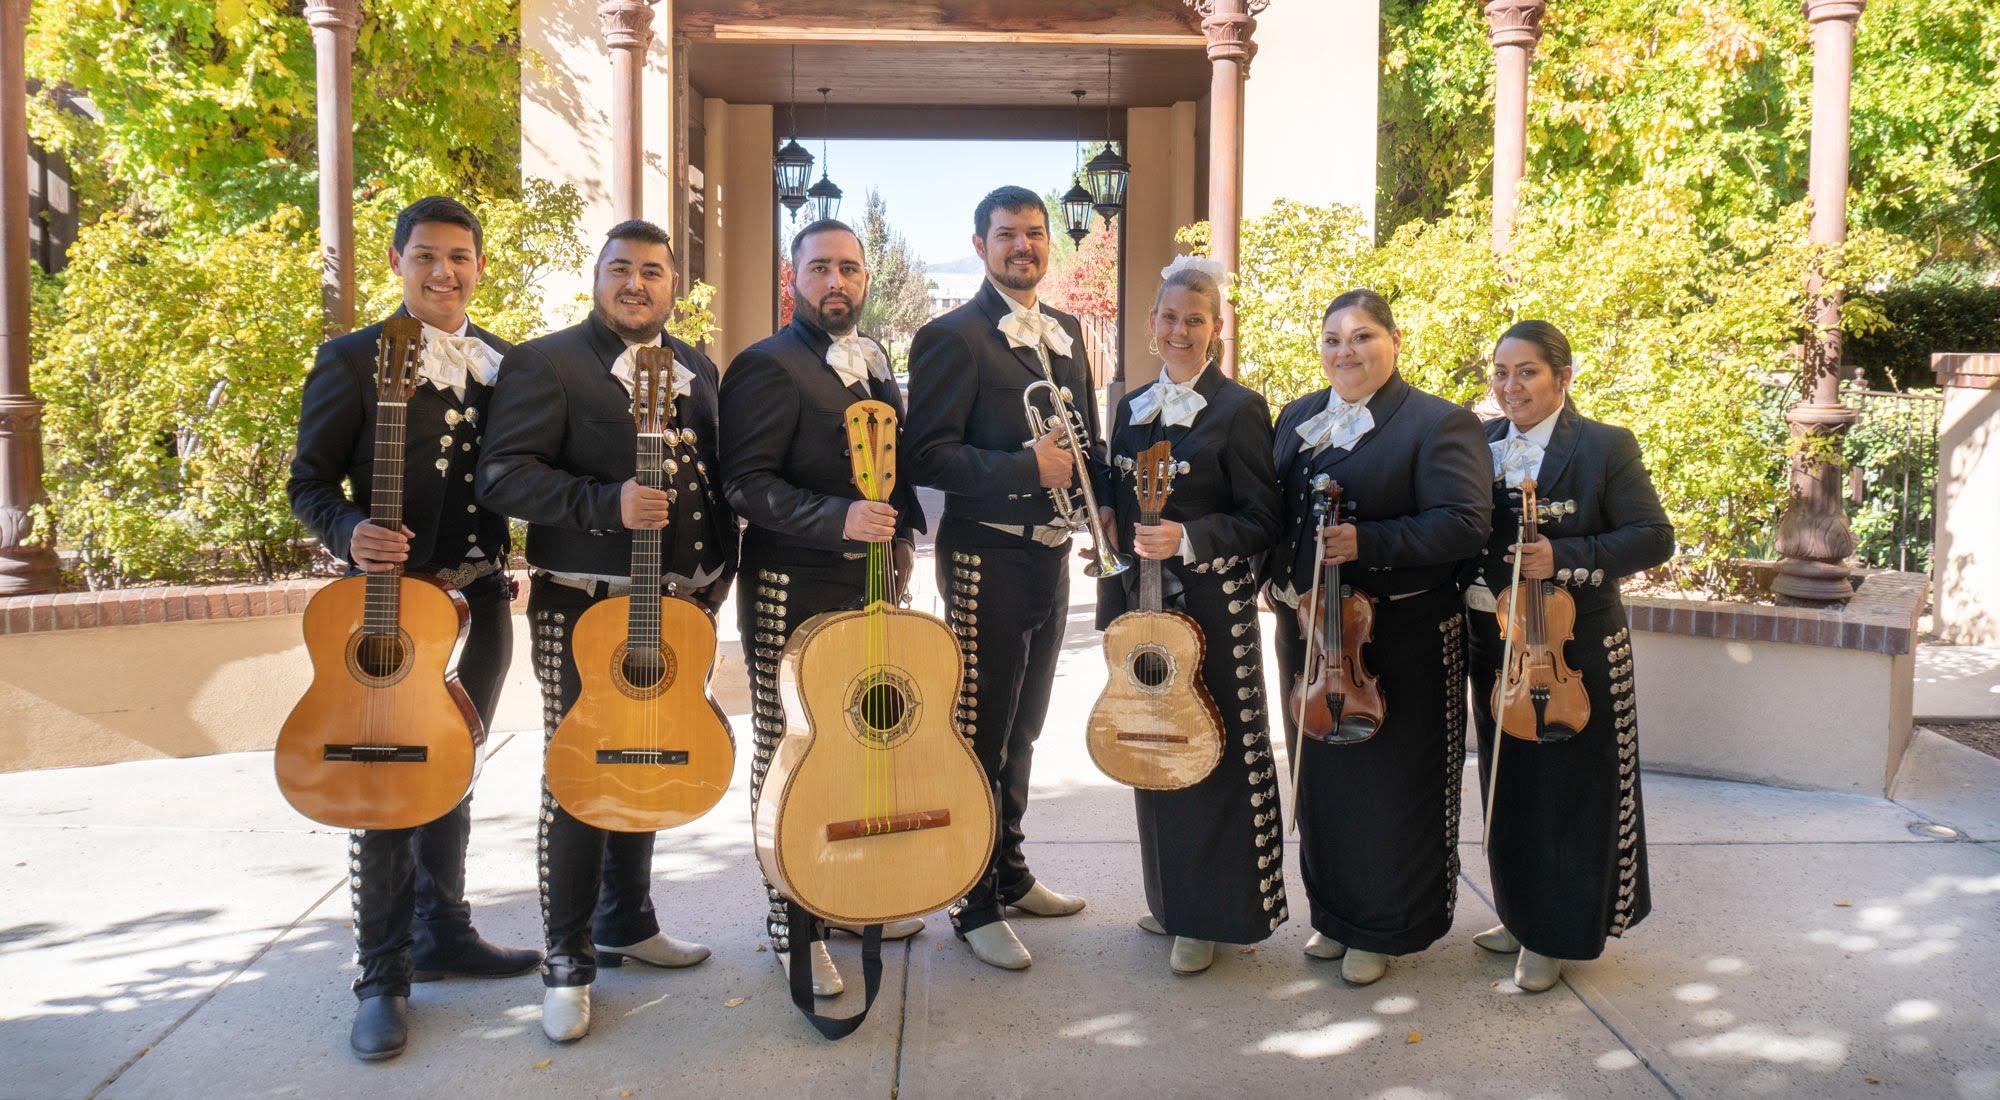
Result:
[1034,328]
[1339,426]
[857,359]
[622,371]
[1515,460]
[447,361]
[1176,404]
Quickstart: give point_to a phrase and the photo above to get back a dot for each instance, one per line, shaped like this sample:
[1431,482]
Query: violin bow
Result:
[1305,667]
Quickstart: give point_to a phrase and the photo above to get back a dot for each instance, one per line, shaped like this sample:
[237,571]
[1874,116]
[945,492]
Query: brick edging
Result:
[1967,370]
[141,606]
[1882,618]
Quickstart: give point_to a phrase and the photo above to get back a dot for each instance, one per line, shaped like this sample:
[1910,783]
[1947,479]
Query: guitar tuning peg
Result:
[1181,467]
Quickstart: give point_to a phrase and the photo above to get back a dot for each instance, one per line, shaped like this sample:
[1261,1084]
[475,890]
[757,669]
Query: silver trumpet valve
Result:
[1077,515]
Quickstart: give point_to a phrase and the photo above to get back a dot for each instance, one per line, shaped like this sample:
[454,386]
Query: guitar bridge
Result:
[376,754]
[1154,738]
[882,826]
[658,757]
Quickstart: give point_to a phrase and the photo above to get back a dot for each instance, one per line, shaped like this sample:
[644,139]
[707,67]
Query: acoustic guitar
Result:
[644,747]
[1155,726]
[874,808]
[385,738]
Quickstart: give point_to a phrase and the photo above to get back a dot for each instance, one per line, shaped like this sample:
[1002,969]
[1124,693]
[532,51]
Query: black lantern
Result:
[1077,203]
[1108,171]
[793,164]
[825,196]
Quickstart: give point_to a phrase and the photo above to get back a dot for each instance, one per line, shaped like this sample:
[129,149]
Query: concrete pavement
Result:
[172,929]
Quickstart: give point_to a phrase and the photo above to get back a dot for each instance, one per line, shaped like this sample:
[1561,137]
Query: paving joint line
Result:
[202,1002]
[1602,1019]
[902,1020]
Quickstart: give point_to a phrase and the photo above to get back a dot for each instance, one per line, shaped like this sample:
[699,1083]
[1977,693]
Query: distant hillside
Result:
[970,265]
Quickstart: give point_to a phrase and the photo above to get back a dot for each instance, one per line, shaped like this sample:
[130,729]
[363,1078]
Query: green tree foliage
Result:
[1676,337]
[898,291]
[1706,105]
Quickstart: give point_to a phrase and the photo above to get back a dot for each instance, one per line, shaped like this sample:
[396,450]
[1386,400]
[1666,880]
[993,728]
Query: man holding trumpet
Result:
[1010,510]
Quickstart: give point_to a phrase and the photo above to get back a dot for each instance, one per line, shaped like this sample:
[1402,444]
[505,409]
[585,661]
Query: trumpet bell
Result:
[1107,565]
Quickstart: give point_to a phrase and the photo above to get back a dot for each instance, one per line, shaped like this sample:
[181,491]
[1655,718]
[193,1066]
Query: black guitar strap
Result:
[805,931]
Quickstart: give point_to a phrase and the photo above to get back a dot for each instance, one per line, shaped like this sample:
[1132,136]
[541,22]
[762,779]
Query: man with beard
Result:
[786,471]
[411,920]
[561,455]
[1000,534]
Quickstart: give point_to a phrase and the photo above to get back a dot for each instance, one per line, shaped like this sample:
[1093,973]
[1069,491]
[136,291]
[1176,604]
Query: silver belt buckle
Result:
[1050,535]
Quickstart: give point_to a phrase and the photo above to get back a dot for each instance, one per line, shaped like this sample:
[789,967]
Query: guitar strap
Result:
[804,928]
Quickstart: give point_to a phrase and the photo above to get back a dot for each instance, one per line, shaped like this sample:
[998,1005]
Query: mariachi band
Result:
[1418,563]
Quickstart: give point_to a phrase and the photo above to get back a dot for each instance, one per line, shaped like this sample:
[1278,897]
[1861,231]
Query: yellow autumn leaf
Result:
[1843,904]
[1414,1037]
[733,1002]
[543,1064]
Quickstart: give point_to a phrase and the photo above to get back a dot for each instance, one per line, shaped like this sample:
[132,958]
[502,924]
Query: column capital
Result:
[627,24]
[1514,22]
[336,15]
[1228,34]
[1822,11]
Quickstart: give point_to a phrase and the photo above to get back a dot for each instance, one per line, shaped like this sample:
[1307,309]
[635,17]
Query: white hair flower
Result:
[1207,265]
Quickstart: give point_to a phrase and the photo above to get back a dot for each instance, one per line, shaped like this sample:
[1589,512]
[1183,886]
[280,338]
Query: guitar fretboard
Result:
[382,604]
[642,624]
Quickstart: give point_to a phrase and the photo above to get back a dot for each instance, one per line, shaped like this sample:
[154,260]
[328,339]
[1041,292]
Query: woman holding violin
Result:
[1376,793]
[1212,852]
[1565,834]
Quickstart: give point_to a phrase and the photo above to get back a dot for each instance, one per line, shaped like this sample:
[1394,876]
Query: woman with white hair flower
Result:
[1211,853]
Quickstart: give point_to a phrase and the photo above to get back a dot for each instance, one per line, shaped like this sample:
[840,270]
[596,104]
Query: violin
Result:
[1334,696]
[1538,697]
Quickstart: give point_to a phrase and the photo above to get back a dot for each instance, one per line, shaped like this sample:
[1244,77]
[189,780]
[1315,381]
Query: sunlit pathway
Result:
[171,929]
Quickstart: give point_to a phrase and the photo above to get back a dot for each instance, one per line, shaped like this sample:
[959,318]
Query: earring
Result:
[1153,345]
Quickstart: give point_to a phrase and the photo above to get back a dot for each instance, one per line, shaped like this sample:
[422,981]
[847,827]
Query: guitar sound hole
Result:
[883,707]
[1151,668]
[379,659]
[644,668]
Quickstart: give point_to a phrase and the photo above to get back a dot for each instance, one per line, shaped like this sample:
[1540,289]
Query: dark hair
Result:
[443,211]
[824,225]
[1367,301]
[1011,199]
[639,229]
[1550,339]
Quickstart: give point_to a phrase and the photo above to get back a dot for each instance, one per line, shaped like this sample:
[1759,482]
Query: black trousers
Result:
[408,885]
[1008,601]
[775,599]
[596,884]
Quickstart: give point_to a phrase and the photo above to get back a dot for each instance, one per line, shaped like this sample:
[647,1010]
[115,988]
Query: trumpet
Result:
[1069,512]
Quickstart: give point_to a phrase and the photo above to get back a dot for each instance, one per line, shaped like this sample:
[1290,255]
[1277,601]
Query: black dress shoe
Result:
[477,959]
[381,1028]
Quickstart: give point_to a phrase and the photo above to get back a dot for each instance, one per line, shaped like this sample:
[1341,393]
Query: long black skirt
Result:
[1213,853]
[1568,848]
[1378,819]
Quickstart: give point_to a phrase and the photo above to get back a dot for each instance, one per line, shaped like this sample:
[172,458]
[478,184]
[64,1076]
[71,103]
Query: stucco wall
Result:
[1967,566]
[1309,110]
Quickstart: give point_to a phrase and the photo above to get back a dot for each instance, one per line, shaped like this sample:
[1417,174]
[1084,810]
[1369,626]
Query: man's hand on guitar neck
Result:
[376,549]
[641,508]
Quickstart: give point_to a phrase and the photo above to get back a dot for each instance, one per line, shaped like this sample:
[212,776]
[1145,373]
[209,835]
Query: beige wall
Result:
[1159,199]
[1771,712]
[1310,106]
[741,231]
[174,690]
[566,122]
[1967,567]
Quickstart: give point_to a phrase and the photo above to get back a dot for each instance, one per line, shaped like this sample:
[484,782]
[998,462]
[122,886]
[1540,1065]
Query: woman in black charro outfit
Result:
[1212,852]
[1378,818]
[1567,849]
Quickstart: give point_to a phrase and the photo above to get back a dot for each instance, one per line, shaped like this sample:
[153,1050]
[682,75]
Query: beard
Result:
[815,314]
[643,333]
[1003,273]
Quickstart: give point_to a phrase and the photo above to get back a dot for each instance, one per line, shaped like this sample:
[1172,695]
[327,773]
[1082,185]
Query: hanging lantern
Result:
[793,164]
[825,196]
[1076,211]
[1108,171]
[1077,203]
